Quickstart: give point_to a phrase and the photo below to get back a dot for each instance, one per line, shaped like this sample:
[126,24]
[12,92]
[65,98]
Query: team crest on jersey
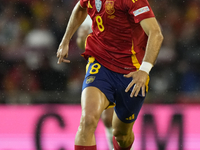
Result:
[109,6]
[98,4]
[90,79]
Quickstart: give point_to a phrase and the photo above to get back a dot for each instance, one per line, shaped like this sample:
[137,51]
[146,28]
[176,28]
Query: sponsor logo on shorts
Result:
[90,79]
[131,117]
[141,11]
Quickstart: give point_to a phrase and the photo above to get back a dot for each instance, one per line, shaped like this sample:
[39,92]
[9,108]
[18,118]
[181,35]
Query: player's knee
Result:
[119,136]
[88,122]
[123,137]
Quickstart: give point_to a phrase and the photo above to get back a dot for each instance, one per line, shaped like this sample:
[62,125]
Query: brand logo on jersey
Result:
[90,79]
[109,6]
[89,5]
[141,11]
[98,4]
[134,1]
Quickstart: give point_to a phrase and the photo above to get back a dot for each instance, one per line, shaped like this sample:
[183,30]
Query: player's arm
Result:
[155,38]
[77,17]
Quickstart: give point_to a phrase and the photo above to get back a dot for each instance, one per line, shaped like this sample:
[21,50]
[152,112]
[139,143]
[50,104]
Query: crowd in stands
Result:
[30,32]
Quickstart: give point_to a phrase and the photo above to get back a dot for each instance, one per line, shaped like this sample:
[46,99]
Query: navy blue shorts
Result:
[113,85]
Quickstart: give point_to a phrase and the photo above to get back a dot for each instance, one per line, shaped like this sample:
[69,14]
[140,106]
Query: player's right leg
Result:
[93,102]
[125,114]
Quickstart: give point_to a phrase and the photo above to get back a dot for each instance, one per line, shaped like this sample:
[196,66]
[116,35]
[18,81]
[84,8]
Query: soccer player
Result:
[121,51]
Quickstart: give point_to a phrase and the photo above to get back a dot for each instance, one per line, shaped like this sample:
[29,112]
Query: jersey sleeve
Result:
[139,9]
[84,3]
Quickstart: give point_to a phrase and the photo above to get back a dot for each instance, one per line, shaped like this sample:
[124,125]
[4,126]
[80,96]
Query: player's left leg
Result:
[106,117]
[123,136]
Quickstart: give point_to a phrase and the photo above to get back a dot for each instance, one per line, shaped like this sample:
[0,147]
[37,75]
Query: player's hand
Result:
[62,53]
[139,81]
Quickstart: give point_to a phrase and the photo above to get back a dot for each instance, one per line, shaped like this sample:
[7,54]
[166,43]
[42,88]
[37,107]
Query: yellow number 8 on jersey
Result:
[100,23]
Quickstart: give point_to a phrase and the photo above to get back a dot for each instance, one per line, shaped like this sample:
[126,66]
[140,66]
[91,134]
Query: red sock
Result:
[117,147]
[79,147]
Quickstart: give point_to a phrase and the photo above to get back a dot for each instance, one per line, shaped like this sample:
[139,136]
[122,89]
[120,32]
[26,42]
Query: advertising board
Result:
[52,127]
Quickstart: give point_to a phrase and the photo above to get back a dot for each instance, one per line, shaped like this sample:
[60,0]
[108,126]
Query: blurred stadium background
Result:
[30,32]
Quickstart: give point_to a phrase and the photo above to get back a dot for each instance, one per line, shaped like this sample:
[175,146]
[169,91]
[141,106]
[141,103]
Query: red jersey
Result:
[118,41]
